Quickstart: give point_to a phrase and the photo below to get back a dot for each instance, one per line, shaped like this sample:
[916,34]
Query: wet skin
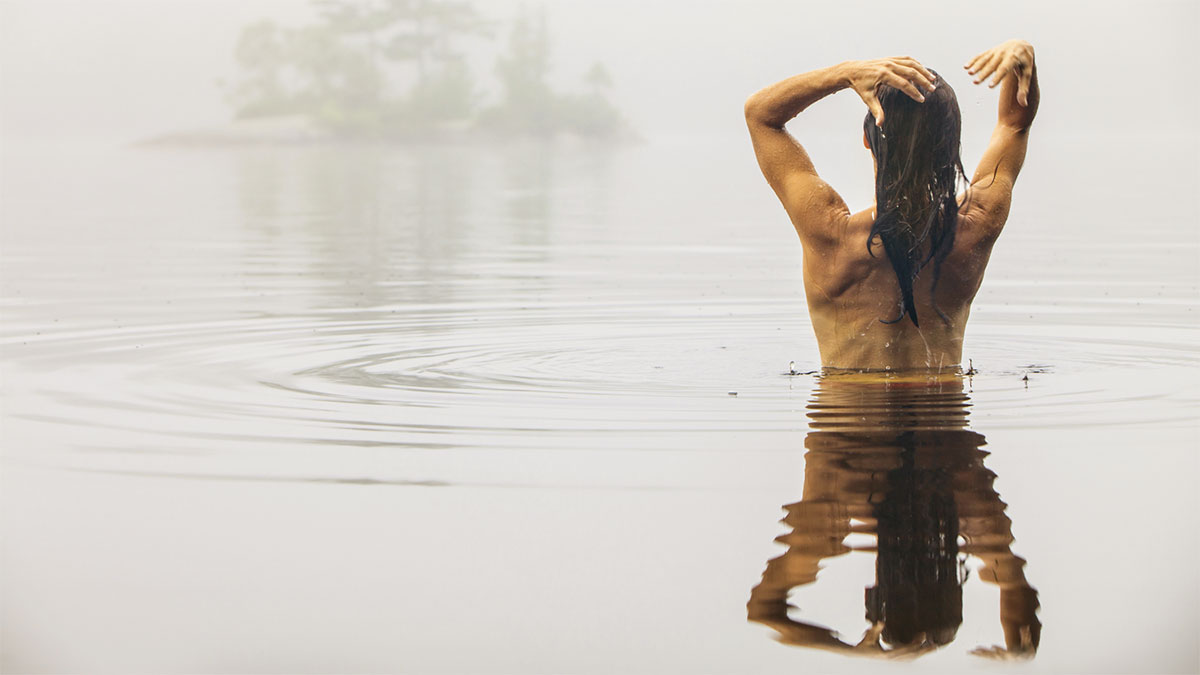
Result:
[848,290]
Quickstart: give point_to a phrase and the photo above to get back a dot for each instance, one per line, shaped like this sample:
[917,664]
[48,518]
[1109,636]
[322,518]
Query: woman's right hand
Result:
[904,73]
[1013,57]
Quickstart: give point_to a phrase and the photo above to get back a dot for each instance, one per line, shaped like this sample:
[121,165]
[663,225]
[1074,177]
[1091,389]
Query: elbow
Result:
[757,112]
[751,108]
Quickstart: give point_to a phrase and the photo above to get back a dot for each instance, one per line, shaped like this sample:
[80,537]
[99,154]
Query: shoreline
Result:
[294,131]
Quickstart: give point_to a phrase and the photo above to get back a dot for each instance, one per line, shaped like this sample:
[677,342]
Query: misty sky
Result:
[123,70]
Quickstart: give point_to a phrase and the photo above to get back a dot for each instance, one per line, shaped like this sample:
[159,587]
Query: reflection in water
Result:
[895,459]
[503,373]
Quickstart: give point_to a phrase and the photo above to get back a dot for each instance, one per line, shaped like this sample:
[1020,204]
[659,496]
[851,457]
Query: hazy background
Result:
[443,408]
[123,70]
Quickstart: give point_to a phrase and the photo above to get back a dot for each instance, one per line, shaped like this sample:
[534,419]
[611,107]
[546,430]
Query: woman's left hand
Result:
[1014,57]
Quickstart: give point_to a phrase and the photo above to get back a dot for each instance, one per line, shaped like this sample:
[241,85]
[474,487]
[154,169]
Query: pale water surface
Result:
[473,410]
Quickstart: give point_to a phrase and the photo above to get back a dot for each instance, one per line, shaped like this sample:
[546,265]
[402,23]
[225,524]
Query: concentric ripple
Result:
[444,336]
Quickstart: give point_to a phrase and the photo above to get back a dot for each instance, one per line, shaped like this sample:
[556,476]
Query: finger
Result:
[987,68]
[1002,72]
[906,87]
[976,61]
[875,107]
[919,67]
[918,75]
[978,68]
[926,72]
[1023,86]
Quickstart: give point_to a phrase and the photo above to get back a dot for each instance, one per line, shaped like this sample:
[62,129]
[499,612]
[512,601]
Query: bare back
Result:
[853,296]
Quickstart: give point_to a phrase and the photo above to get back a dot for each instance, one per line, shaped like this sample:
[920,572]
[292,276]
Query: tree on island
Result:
[391,68]
[530,107]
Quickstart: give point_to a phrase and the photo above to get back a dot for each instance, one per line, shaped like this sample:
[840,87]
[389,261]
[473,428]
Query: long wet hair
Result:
[918,166]
[918,576]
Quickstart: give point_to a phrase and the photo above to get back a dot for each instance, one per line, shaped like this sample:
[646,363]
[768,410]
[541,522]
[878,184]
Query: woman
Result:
[890,287]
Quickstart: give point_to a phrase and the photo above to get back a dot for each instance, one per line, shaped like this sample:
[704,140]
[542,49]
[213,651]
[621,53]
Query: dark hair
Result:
[917,574]
[917,168]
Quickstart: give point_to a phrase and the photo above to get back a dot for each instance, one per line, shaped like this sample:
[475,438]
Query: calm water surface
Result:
[530,409]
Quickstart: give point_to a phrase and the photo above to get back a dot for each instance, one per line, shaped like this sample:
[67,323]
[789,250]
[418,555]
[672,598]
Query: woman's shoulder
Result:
[982,212]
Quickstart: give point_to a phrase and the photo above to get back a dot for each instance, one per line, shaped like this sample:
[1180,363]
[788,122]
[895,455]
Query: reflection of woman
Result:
[918,254]
[894,458]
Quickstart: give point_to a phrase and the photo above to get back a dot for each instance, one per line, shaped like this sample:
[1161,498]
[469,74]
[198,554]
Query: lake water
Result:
[532,409]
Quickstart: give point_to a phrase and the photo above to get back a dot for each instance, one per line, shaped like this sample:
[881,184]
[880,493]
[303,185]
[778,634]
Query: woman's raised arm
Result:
[780,102]
[809,200]
[1012,65]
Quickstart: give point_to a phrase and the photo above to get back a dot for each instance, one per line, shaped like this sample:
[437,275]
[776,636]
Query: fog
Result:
[119,71]
[404,405]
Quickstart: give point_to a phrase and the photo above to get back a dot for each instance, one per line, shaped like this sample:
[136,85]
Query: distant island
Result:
[392,70]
